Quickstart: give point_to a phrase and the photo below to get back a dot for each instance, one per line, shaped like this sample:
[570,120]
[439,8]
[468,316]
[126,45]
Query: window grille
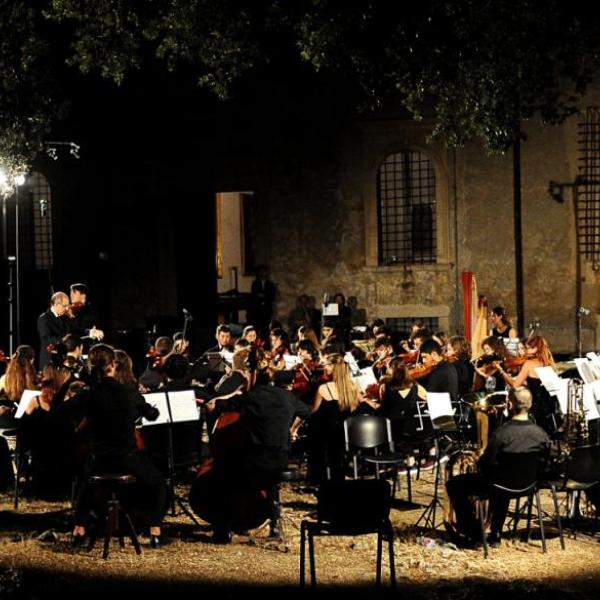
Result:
[588,197]
[403,324]
[42,222]
[406,209]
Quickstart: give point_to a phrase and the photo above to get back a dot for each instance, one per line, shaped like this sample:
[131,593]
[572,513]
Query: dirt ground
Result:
[37,559]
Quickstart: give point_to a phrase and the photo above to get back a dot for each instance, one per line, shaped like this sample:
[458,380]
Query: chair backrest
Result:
[517,471]
[354,505]
[367,431]
[583,464]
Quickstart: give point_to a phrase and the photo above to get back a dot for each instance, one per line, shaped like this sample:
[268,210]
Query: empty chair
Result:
[368,438]
[368,512]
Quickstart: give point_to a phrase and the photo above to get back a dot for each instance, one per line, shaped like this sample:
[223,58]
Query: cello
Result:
[246,508]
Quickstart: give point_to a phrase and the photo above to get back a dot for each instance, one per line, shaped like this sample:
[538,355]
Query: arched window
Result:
[406,209]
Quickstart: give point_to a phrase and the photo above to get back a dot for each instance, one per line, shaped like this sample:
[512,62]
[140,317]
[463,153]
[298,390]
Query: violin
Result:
[409,358]
[3,357]
[514,363]
[155,356]
[422,370]
[74,308]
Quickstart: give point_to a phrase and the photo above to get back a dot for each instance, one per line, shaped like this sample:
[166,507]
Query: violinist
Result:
[330,338]
[309,334]
[20,374]
[399,398]
[73,358]
[494,351]
[458,354]
[443,377]
[83,316]
[416,326]
[384,352]
[544,405]
[307,372]
[502,326]
[250,334]
[151,378]
[280,347]
[216,365]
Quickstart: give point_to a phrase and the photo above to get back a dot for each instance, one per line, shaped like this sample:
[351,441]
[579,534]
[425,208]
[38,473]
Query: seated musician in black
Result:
[270,415]
[519,435]
[443,378]
[112,411]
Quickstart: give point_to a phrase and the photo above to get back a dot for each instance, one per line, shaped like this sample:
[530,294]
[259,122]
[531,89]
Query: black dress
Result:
[543,405]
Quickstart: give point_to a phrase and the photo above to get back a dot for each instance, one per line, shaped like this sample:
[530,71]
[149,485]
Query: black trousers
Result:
[153,488]
[460,489]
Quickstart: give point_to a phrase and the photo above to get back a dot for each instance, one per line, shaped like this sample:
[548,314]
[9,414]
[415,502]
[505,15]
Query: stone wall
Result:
[323,228]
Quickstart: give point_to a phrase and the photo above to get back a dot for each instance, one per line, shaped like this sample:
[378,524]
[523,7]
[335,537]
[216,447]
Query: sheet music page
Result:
[562,395]
[158,400]
[331,310]
[550,379]
[26,396]
[183,406]
[594,363]
[227,356]
[585,370]
[351,362]
[439,405]
[291,360]
[365,378]
[591,392]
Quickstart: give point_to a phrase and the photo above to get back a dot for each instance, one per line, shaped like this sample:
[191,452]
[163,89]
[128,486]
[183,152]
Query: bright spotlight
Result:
[3,178]
[20,179]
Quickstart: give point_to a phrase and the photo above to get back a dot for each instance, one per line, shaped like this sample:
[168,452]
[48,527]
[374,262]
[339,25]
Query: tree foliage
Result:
[477,68]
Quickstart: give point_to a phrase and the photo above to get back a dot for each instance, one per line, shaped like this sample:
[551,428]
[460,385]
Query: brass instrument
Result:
[575,428]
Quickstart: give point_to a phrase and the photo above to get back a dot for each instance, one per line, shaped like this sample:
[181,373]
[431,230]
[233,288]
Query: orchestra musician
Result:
[494,351]
[53,325]
[544,405]
[458,354]
[271,415]
[519,435]
[443,377]
[416,326]
[334,401]
[151,378]
[20,374]
[83,316]
[112,411]
[217,367]
[502,326]
[384,352]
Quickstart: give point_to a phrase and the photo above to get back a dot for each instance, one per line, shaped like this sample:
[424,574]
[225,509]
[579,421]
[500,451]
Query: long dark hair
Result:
[399,377]
[100,358]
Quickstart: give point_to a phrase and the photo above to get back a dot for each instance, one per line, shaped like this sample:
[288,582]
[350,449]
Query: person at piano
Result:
[544,406]
[502,326]
[83,316]
[458,354]
[443,377]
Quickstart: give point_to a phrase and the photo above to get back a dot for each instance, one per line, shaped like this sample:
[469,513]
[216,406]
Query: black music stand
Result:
[176,500]
[441,426]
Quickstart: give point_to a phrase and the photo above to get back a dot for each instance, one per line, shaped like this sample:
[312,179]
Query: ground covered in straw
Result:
[37,560]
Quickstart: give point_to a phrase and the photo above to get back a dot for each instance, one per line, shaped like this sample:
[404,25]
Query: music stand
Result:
[442,420]
[174,407]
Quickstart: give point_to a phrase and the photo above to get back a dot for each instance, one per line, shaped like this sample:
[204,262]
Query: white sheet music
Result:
[365,378]
[291,360]
[591,394]
[439,405]
[550,379]
[331,310]
[227,356]
[594,363]
[26,397]
[584,367]
[183,407]
[352,364]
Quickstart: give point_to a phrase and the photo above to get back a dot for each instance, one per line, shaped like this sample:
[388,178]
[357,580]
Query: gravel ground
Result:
[37,559]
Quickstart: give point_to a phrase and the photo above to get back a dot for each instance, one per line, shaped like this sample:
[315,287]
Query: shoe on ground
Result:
[221,537]
[494,540]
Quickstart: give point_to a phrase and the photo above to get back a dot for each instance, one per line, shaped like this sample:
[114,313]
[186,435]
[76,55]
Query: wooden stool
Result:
[112,482]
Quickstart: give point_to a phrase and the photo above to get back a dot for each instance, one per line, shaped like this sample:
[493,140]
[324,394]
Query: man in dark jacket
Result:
[53,325]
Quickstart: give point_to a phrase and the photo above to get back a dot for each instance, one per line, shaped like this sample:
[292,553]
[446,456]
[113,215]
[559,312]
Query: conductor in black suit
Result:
[53,325]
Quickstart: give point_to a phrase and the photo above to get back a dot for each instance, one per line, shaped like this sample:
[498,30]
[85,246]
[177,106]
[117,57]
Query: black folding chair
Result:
[368,439]
[367,513]
[515,476]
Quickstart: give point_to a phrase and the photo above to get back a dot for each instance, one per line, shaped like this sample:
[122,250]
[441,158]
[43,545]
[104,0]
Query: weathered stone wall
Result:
[323,230]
